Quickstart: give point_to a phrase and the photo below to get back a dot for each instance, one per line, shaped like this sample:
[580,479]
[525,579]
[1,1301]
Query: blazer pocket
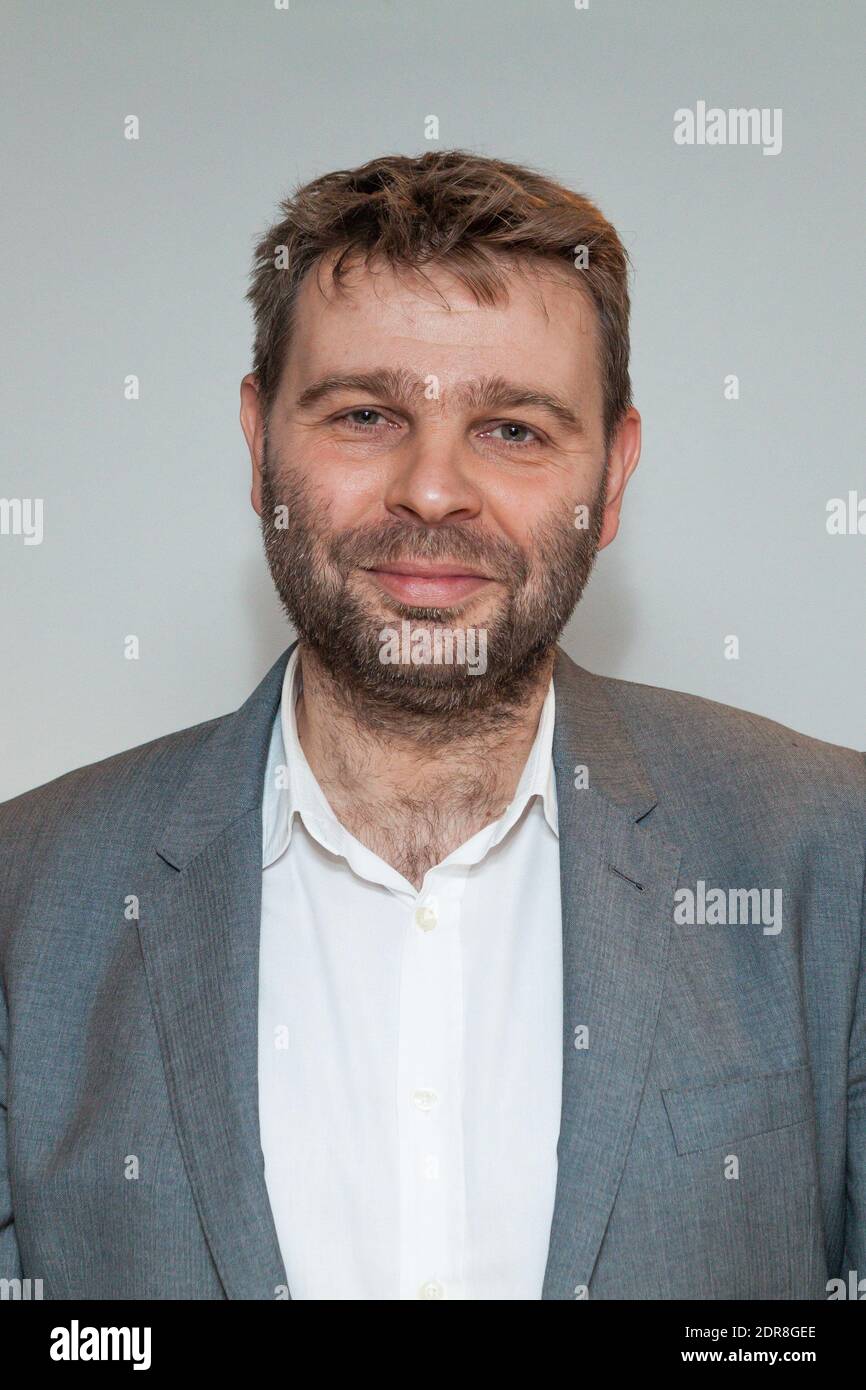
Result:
[709,1117]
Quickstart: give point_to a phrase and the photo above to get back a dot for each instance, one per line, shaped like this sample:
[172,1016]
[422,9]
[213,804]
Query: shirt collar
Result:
[291,789]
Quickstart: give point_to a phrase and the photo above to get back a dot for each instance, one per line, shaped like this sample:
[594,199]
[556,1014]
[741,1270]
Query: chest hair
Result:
[414,831]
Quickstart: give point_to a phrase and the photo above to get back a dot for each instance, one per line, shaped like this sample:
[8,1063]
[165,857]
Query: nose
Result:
[430,484]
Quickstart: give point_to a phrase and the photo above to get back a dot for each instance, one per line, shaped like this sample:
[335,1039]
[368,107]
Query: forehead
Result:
[542,324]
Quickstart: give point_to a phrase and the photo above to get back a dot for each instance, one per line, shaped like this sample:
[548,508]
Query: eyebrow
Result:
[404,387]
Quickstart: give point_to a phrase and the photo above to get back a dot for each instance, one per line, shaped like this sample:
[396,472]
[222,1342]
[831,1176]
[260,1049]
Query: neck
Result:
[414,789]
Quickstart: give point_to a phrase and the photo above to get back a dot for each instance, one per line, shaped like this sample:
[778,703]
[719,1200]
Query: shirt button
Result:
[432,1289]
[425,1100]
[426,917]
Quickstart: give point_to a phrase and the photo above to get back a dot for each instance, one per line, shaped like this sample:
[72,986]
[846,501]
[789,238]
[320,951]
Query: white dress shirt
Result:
[410,1044]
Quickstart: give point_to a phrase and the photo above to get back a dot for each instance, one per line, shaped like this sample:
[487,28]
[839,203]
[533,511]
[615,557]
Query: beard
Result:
[314,570]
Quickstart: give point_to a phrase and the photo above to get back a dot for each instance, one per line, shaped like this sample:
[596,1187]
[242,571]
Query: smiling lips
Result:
[430,585]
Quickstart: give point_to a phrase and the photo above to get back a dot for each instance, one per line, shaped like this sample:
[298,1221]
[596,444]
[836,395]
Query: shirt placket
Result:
[430,1093]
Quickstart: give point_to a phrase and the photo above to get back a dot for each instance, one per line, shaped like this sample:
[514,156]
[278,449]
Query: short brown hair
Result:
[443,206]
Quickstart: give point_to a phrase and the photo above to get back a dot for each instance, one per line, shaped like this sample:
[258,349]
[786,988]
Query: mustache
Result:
[367,547]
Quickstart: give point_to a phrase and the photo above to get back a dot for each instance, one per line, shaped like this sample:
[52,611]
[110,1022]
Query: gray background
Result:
[127,257]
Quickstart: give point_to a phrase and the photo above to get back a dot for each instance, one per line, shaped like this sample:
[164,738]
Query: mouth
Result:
[428,585]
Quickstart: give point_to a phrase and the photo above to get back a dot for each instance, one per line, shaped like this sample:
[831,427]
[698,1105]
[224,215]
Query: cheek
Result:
[520,507]
[343,493]
[353,502]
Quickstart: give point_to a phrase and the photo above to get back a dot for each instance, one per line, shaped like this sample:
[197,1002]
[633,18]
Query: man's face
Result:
[433,466]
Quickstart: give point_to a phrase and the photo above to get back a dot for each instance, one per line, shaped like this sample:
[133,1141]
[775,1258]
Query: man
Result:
[442,968]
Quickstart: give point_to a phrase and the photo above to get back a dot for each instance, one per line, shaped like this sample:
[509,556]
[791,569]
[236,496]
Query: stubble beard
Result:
[314,572]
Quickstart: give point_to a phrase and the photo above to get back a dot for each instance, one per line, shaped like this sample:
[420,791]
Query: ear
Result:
[622,461]
[253,426]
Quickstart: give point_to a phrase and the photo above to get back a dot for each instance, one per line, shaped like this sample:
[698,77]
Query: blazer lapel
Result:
[617,883]
[199,931]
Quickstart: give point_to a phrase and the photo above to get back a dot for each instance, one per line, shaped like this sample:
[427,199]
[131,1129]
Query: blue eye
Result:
[362,410]
[511,426]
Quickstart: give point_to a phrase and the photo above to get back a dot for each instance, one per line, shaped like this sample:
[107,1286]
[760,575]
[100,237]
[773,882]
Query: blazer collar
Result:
[589,732]
[228,778]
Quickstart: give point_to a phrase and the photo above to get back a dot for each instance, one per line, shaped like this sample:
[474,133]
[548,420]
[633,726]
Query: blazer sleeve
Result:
[855,1216]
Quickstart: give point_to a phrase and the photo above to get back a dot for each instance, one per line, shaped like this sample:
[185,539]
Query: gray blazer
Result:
[713,1136]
